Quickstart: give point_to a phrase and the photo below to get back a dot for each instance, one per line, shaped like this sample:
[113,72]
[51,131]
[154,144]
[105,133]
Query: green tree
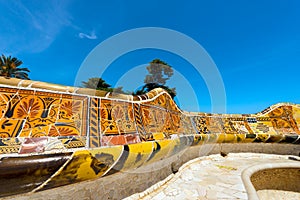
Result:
[150,86]
[96,83]
[120,90]
[100,84]
[9,67]
[159,73]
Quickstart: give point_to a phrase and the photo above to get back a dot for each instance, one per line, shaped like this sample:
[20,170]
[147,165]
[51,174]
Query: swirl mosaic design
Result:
[53,135]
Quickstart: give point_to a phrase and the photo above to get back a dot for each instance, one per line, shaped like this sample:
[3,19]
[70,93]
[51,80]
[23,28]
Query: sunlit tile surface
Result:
[93,136]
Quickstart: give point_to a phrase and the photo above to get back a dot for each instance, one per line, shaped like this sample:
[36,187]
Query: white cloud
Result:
[91,36]
[31,27]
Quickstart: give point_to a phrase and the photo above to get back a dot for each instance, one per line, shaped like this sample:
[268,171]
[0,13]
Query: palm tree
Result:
[9,68]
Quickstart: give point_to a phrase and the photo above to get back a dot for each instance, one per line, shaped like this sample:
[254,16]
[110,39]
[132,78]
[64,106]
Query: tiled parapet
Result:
[75,134]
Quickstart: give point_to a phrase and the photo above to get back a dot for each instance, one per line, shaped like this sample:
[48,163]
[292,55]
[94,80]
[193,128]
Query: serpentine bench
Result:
[54,135]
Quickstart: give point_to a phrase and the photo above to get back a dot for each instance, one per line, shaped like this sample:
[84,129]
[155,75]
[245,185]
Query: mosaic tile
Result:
[35,169]
[250,138]
[84,165]
[240,137]
[172,122]
[10,145]
[153,118]
[138,154]
[227,138]
[39,114]
[119,139]
[72,141]
[139,122]
[197,140]
[94,123]
[215,125]
[289,138]
[200,124]
[124,116]
[181,143]
[11,128]
[117,117]
[33,145]
[262,138]
[240,127]
[161,149]
[104,135]
[274,138]
[159,136]
[186,126]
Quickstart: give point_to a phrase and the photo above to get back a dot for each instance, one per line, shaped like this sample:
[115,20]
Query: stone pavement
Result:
[210,177]
[277,195]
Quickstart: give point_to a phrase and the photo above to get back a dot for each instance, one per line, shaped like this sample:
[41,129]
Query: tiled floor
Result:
[210,177]
[274,194]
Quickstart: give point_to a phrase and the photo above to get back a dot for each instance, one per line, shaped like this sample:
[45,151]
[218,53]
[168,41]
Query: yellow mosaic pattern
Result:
[98,135]
[32,114]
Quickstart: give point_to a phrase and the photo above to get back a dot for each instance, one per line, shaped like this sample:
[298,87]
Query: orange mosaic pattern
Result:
[82,121]
[32,114]
[67,135]
[74,120]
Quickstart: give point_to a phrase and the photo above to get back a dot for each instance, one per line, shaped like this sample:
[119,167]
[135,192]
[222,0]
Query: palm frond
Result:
[22,69]
[9,67]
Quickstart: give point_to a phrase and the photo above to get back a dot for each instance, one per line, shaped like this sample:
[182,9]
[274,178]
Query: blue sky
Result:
[254,44]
